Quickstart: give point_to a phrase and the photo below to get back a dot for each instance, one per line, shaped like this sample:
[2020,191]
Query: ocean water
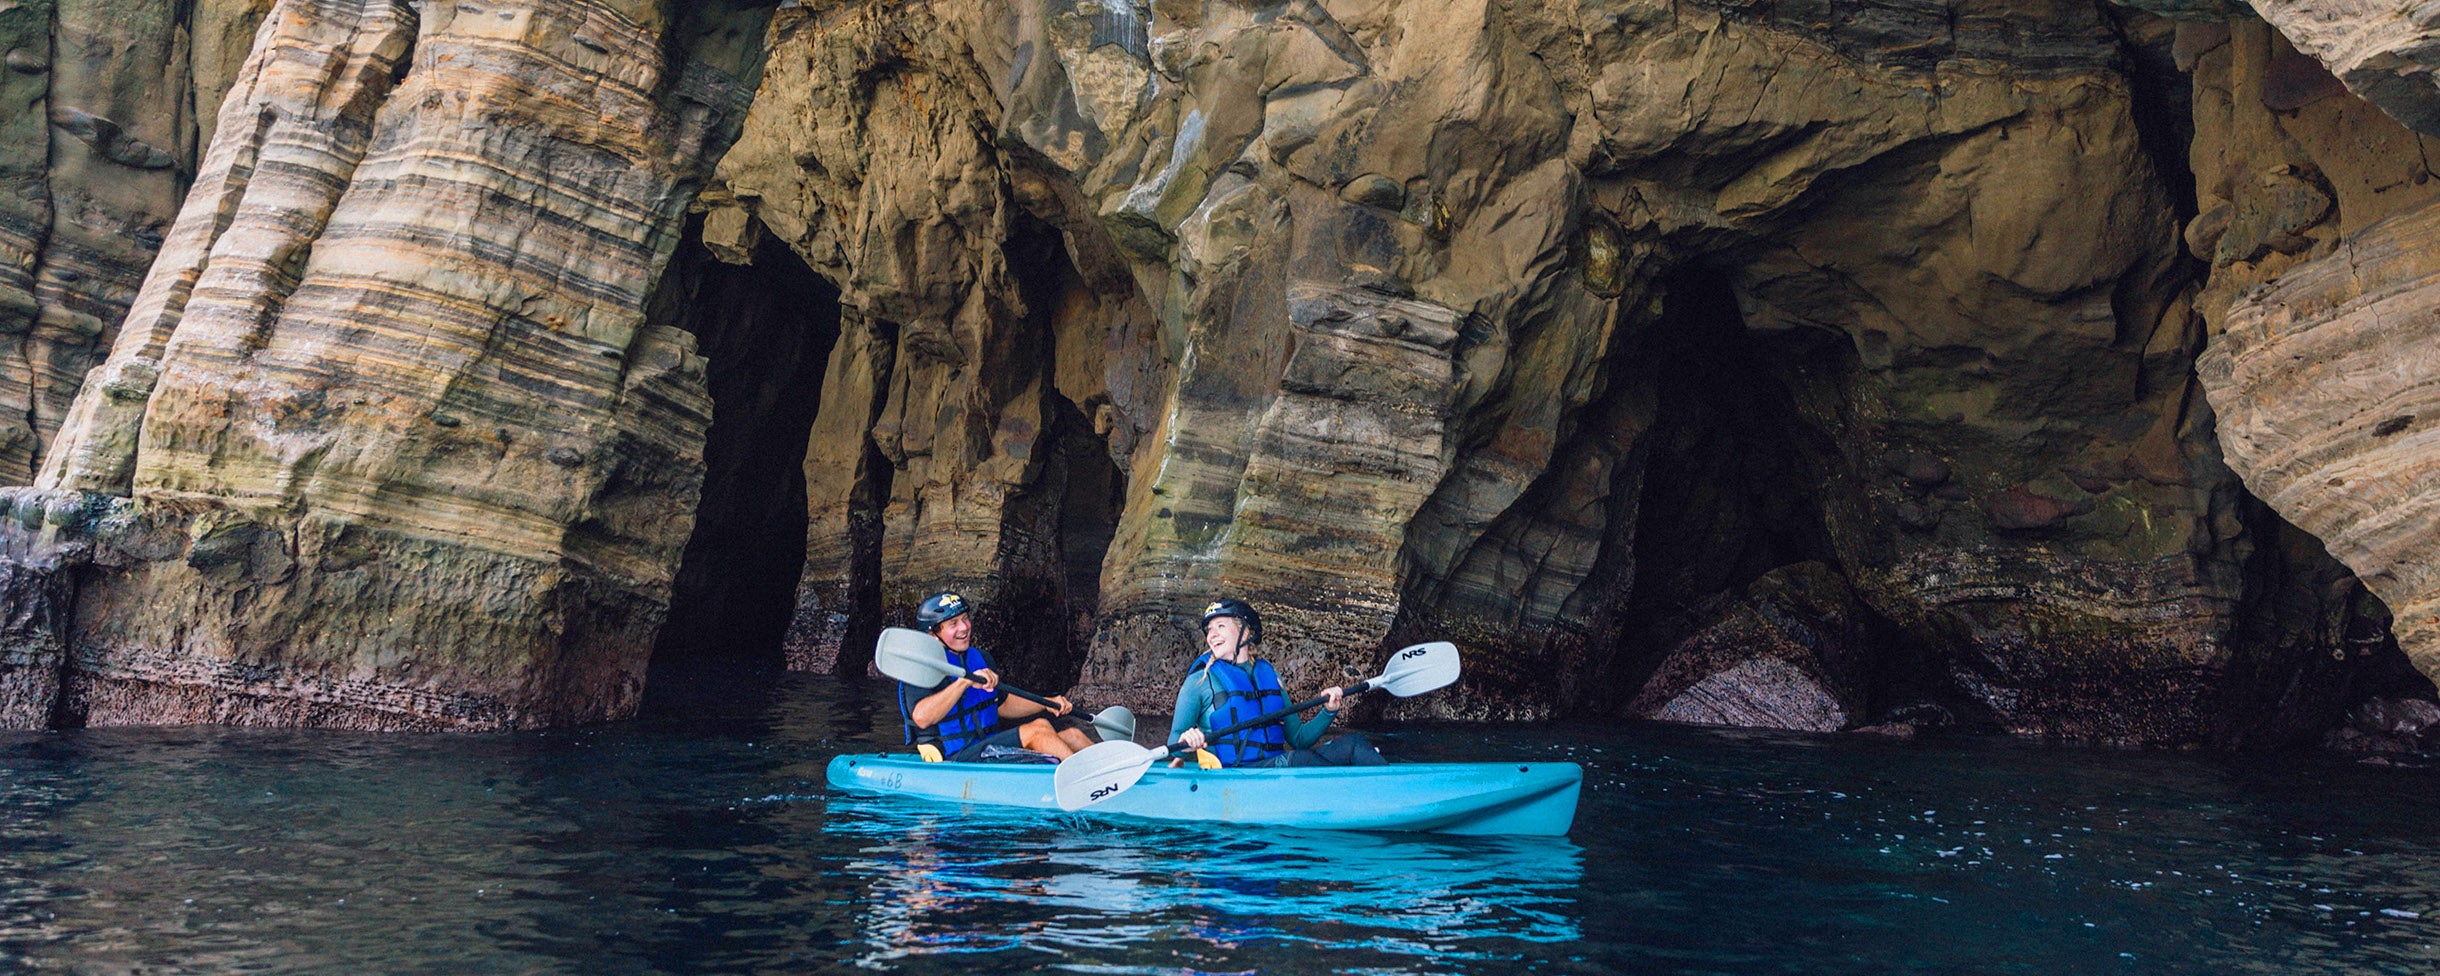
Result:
[702,839]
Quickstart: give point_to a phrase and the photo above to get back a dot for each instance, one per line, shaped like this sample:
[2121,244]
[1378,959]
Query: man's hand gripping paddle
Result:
[1108,769]
[920,659]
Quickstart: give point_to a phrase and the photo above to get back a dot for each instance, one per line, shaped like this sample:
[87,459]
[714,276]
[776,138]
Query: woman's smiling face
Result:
[1221,636]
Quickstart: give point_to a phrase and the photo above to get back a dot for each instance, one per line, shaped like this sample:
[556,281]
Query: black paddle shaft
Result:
[1019,692]
[1258,721]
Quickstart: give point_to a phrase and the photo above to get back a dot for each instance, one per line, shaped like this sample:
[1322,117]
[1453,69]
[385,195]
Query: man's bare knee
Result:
[1035,734]
[1039,736]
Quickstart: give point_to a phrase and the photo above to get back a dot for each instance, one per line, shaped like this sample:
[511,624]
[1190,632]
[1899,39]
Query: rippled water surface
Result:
[704,841]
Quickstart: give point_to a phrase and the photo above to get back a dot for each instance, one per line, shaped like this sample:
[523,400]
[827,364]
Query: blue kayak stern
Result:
[1530,798]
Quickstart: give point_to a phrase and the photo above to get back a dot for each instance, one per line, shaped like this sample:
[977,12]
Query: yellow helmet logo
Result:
[1214,608]
[950,600]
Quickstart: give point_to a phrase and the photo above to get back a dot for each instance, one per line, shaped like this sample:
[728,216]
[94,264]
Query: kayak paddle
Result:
[1108,769]
[1115,724]
[920,659]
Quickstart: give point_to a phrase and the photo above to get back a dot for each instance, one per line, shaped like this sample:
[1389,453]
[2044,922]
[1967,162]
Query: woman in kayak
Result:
[1228,685]
[970,719]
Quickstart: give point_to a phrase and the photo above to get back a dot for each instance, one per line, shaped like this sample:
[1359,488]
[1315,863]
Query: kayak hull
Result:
[1526,798]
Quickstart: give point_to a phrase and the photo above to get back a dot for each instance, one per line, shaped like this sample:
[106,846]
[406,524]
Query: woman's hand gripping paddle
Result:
[920,659]
[1108,769]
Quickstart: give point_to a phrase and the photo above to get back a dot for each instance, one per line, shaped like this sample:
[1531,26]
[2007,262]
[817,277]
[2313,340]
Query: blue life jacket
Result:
[976,714]
[1239,694]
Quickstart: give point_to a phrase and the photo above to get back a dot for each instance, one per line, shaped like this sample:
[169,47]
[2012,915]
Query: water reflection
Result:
[33,859]
[949,880]
[704,841]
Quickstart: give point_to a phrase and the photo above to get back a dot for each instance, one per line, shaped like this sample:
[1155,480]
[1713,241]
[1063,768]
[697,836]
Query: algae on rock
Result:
[1596,336]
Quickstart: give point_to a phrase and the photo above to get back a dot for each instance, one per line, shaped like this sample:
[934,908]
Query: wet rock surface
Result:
[1563,332]
[2387,726]
[1788,655]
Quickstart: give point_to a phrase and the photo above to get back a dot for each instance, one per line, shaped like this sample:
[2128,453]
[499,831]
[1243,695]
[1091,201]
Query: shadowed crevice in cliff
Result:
[1528,570]
[1740,611]
[1093,493]
[862,611]
[2311,643]
[1058,528]
[1733,469]
[2161,102]
[766,330]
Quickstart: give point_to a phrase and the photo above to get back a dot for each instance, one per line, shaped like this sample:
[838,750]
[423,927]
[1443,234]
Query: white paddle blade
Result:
[1115,723]
[1418,669]
[914,657]
[1100,772]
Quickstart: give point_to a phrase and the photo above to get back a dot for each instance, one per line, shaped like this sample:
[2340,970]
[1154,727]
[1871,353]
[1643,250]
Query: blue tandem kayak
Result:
[1532,798]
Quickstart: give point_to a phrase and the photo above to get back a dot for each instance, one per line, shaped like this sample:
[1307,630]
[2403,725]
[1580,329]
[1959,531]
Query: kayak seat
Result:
[929,751]
[1008,754]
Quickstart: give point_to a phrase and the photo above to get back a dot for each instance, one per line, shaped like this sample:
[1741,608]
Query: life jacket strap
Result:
[968,721]
[1242,694]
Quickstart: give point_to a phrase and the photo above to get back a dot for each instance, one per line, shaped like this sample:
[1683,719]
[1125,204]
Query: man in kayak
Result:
[969,719]
[1228,685]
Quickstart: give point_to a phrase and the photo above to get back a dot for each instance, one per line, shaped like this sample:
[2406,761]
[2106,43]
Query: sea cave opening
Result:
[1739,468]
[1067,517]
[765,329]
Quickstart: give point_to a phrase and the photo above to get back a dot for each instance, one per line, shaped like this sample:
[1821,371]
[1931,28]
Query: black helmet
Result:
[939,608]
[1233,607]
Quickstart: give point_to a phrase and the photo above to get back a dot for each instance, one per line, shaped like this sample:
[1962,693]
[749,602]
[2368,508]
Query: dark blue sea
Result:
[701,839]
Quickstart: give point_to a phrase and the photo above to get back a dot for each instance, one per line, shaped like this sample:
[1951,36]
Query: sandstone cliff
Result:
[1672,357]
[394,357]
[2316,218]
[1472,323]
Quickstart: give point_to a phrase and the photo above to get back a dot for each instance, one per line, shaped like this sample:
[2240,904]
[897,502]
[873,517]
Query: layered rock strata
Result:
[2314,208]
[2384,52]
[2324,383]
[996,359]
[1787,656]
[1379,294]
[394,359]
[107,105]
[1551,329]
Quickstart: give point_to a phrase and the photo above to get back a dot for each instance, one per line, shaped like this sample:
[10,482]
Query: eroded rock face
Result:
[395,359]
[1791,654]
[2319,382]
[1379,331]
[1861,216]
[98,106]
[2384,52]
[2312,214]
[1551,329]
[992,372]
